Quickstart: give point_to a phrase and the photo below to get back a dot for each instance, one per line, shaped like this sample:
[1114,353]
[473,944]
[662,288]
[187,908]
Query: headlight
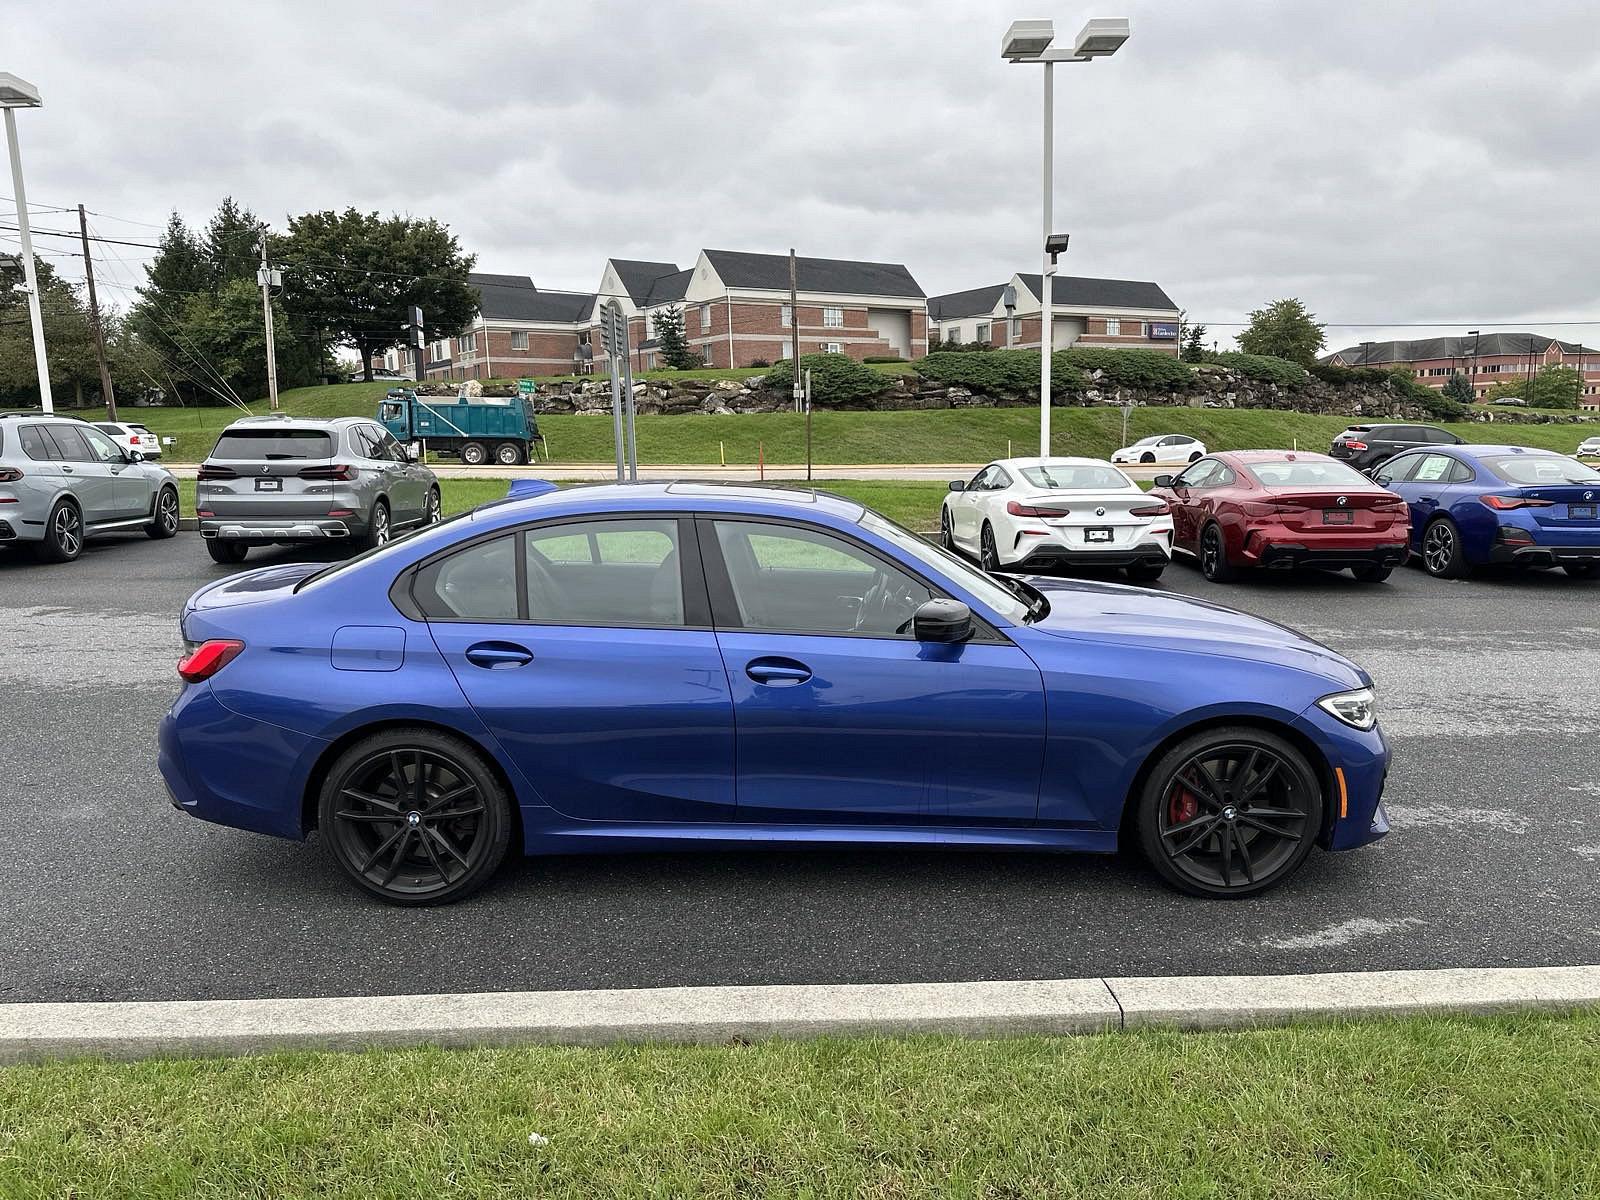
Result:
[1358,708]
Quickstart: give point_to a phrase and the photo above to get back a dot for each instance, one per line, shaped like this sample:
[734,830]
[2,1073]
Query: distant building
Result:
[517,331]
[1485,360]
[1084,312]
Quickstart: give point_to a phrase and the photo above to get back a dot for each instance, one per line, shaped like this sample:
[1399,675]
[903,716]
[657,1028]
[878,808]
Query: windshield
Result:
[273,443]
[1534,469]
[1071,478]
[1002,599]
[1308,474]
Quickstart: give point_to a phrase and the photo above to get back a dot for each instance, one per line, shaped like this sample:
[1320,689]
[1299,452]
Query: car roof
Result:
[760,499]
[1246,457]
[1474,450]
[1053,461]
[300,422]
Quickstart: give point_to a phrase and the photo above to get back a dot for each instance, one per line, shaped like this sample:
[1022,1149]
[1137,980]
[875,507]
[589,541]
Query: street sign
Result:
[525,387]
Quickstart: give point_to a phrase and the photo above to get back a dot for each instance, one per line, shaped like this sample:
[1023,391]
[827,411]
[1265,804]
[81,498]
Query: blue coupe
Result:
[1509,505]
[664,666]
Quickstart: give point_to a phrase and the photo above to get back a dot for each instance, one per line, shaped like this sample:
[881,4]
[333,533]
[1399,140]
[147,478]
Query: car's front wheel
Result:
[1229,812]
[415,816]
[165,524]
[1145,572]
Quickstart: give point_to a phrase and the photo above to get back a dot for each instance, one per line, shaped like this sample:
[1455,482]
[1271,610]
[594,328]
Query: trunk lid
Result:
[276,471]
[1318,510]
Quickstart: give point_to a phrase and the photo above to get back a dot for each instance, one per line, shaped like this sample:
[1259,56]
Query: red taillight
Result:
[1027,510]
[1355,445]
[208,471]
[209,657]
[335,471]
[133,439]
[1506,503]
[1151,510]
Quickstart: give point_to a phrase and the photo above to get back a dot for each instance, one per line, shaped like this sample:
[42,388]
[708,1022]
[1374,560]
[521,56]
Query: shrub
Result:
[999,372]
[835,378]
[1346,377]
[1263,366]
[1133,368]
[761,362]
[883,358]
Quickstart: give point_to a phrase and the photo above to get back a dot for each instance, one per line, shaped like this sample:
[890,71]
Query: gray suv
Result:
[282,479]
[62,480]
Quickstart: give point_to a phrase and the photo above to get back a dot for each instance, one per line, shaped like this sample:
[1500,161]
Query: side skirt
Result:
[548,833]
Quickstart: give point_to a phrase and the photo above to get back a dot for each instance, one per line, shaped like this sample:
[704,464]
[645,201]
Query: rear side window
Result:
[273,443]
[69,443]
[35,445]
[478,583]
[111,429]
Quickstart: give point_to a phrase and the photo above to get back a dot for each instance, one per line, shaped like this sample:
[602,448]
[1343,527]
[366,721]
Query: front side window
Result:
[1434,468]
[1199,475]
[791,579]
[101,448]
[1397,470]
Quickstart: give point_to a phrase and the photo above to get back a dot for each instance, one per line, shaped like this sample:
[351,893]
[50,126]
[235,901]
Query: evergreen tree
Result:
[1193,349]
[671,342]
[1458,389]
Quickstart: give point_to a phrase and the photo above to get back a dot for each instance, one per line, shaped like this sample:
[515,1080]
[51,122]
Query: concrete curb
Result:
[716,1014]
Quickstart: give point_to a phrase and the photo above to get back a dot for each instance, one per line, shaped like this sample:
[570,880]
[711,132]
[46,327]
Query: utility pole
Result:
[808,423]
[794,330]
[94,320]
[268,279]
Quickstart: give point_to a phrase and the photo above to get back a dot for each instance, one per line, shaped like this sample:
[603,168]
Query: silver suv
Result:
[62,480]
[282,479]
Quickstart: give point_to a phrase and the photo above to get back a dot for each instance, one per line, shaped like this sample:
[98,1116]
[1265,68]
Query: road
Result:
[1488,693]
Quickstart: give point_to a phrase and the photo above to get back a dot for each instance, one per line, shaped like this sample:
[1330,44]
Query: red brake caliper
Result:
[1181,806]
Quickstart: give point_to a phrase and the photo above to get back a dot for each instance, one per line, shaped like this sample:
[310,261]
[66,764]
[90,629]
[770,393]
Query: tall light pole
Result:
[14,94]
[1473,378]
[1030,42]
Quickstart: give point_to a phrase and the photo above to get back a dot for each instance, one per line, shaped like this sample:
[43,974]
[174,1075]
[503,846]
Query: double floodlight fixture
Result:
[17,93]
[1032,41]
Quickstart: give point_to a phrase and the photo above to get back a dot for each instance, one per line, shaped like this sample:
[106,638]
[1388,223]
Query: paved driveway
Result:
[1489,691]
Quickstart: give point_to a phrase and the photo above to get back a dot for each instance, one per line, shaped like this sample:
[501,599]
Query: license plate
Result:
[1581,512]
[1098,535]
[269,485]
[1337,516]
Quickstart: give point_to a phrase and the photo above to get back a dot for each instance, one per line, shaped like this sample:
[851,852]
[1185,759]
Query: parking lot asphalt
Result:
[1488,688]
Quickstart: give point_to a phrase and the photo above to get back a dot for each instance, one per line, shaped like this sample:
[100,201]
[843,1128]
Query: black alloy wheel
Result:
[1214,564]
[63,533]
[415,817]
[165,524]
[1146,458]
[988,555]
[1441,550]
[946,538]
[435,508]
[1229,812]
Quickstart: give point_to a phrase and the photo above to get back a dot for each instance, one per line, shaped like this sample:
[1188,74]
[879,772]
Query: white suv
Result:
[131,436]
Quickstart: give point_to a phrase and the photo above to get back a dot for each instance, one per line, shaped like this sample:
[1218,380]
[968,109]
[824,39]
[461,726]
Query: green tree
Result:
[1193,349]
[1554,387]
[73,367]
[671,342]
[1458,389]
[1284,329]
[232,244]
[355,276]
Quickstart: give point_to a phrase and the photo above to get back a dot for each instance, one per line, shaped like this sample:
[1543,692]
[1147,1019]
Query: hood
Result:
[251,587]
[1109,612]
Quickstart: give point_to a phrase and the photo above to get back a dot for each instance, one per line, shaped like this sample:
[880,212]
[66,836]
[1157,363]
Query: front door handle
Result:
[1429,499]
[499,656]
[782,672]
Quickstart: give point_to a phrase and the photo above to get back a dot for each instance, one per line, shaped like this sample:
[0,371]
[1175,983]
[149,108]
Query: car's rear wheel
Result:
[435,508]
[165,523]
[508,454]
[1581,570]
[1229,812]
[988,553]
[1441,550]
[377,527]
[63,533]
[1195,457]
[1214,564]
[1371,573]
[473,454]
[946,537]
[226,552]
[1145,572]
[415,816]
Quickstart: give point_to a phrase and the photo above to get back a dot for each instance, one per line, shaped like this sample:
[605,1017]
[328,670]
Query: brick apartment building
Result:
[1486,360]
[1085,312]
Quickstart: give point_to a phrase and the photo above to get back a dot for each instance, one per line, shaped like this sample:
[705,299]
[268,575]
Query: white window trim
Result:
[832,317]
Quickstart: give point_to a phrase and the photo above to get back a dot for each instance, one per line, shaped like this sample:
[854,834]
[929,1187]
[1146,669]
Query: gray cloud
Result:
[1388,163]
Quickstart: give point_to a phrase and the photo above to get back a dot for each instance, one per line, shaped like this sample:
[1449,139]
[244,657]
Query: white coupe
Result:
[1028,514]
[1164,449]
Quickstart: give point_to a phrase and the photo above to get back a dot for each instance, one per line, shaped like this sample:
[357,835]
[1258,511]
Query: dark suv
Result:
[1365,446]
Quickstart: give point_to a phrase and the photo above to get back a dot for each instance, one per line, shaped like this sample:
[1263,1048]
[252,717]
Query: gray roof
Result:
[514,298]
[1439,348]
[974,302]
[1107,293]
[770,272]
[651,282]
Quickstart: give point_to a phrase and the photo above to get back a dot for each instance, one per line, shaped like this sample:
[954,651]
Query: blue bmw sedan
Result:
[1508,505]
[665,666]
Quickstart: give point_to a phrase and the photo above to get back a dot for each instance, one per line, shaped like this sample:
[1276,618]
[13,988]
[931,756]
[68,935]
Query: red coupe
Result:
[1282,510]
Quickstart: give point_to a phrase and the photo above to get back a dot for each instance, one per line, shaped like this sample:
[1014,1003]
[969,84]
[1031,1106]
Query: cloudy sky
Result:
[1391,163]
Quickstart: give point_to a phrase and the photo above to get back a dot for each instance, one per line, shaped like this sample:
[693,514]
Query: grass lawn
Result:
[1440,1107]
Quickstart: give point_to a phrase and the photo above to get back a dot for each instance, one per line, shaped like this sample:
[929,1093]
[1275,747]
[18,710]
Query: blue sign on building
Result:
[1163,331]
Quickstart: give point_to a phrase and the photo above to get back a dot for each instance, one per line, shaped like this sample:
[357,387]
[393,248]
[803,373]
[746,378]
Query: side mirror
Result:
[958,485]
[1165,481]
[942,621]
[135,456]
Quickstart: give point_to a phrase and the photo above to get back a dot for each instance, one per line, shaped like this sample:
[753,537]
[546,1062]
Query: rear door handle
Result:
[499,656]
[66,468]
[779,671]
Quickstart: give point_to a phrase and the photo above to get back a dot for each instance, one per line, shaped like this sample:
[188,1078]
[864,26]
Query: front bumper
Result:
[1361,760]
[1289,556]
[284,529]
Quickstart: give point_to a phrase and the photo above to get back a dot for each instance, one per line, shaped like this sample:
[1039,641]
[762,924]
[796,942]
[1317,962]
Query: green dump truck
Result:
[477,430]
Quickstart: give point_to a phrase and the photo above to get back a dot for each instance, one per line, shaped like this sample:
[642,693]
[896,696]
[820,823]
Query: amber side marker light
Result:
[1344,793]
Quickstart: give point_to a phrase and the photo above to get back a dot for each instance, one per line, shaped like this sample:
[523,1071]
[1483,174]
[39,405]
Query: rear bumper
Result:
[1152,554]
[284,529]
[1543,556]
[1289,556]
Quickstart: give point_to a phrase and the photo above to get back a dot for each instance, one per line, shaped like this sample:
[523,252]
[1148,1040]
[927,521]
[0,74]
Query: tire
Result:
[946,537]
[988,552]
[1441,550]
[473,454]
[231,553]
[165,524]
[1372,573]
[1194,812]
[1145,572]
[63,533]
[508,454]
[435,508]
[1195,457]
[378,528]
[1147,459]
[1581,570]
[418,857]
[1214,564]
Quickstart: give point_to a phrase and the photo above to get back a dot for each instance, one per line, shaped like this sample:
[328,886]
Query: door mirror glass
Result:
[941,620]
[958,485]
[135,456]
[1165,481]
